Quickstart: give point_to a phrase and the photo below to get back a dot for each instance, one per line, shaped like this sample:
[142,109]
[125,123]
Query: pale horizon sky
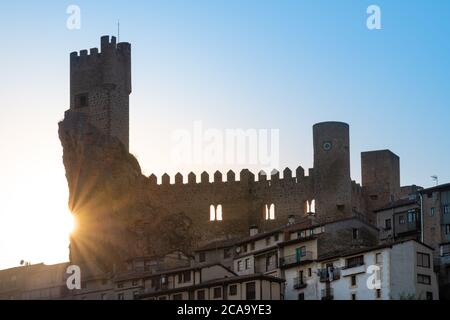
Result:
[231,64]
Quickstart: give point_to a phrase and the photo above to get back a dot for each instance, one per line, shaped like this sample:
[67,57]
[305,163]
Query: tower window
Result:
[269,212]
[311,207]
[215,213]
[81,100]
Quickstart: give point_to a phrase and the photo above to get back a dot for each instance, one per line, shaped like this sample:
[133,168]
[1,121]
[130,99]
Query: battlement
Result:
[245,177]
[107,45]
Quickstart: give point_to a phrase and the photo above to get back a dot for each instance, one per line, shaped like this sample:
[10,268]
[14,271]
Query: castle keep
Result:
[100,86]
[113,200]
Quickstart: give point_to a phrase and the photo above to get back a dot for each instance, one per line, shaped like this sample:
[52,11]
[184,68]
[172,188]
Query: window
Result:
[447,229]
[411,216]
[276,237]
[135,283]
[201,295]
[267,241]
[353,280]
[388,224]
[301,296]
[445,250]
[219,213]
[378,294]
[269,212]
[423,279]
[215,213]
[202,257]
[81,100]
[252,246]
[247,263]
[120,296]
[184,277]
[104,296]
[271,261]
[250,291]
[233,290]
[446,209]
[354,262]
[429,295]
[432,212]
[212,213]
[240,265]
[423,260]
[272,212]
[374,197]
[355,233]
[177,296]
[353,296]
[401,219]
[226,253]
[135,294]
[120,285]
[217,293]
[309,272]
[378,258]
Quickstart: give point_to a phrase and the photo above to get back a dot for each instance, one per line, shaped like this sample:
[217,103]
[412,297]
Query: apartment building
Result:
[404,270]
[436,231]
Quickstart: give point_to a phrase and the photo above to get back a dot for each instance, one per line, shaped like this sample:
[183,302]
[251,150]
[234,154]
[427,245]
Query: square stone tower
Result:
[380,175]
[100,86]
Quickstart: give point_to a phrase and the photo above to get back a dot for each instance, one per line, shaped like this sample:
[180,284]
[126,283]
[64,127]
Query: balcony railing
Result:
[299,283]
[307,256]
[327,294]
[329,274]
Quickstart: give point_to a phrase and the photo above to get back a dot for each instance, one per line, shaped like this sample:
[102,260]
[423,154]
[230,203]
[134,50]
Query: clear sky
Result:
[230,64]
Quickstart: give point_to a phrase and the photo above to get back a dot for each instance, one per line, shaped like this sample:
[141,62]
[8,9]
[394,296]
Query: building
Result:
[215,208]
[399,220]
[34,282]
[404,269]
[436,231]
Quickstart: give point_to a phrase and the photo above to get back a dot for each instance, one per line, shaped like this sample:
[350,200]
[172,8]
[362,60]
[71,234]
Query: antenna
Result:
[435,179]
[118,31]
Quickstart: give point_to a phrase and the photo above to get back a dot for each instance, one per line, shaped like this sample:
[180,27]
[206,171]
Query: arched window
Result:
[215,213]
[219,213]
[269,212]
[272,212]
[311,207]
[212,213]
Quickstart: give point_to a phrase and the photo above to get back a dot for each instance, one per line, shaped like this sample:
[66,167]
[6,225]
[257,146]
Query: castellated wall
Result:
[100,85]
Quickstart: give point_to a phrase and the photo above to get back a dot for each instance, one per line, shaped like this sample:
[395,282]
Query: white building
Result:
[402,270]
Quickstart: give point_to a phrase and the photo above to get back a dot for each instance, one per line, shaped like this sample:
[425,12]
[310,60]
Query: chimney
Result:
[253,230]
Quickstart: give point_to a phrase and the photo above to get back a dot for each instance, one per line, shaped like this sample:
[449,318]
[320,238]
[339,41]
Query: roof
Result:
[219,244]
[148,274]
[397,204]
[221,281]
[445,186]
[354,251]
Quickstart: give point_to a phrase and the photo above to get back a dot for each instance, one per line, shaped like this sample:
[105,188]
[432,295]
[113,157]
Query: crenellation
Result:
[178,178]
[287,173]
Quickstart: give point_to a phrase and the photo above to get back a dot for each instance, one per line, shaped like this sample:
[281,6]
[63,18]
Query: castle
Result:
[100,85]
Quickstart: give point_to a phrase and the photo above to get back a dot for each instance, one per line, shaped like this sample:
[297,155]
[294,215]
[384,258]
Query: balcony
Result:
[329,274]
[300,283]
[296,259]
[327,294]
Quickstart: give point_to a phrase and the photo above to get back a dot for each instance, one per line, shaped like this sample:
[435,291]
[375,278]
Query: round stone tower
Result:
[332,182]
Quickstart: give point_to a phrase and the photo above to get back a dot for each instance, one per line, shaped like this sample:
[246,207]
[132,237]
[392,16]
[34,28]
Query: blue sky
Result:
[231,64]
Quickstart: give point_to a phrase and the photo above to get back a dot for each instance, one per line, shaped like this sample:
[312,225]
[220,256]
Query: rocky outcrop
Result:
[115,217]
